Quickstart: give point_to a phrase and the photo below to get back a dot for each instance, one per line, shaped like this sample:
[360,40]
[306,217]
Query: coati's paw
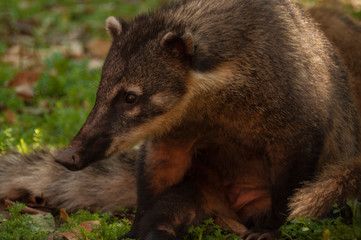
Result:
[160,234]
[253,235]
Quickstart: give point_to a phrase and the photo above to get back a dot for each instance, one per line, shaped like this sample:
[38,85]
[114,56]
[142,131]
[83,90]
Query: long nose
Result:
[69,158]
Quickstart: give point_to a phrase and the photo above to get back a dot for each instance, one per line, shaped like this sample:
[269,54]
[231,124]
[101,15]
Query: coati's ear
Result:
[178,46]
[115,26]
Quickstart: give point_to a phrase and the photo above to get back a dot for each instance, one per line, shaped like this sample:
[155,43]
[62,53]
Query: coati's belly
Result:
[248,197]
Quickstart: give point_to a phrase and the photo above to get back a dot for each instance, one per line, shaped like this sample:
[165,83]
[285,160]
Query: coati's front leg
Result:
[168,201]
[171,213]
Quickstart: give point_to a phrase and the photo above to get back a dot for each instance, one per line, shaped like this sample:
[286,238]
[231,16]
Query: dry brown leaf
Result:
[70,235]
[95,63]
[63,214]
[75,234]
[74,49]
[20,57]
[10,116]
[25,92]
[231,224]
[24,78]
[29,210]
[98,47]
[23,83]
[89,225]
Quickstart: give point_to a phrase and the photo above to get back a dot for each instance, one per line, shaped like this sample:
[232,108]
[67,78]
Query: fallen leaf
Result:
[63,214]
[69,235]
[25,210]
[230,224]
[76,234]
[10,116]
[74,49]
[98,47]
[95,63]
[89,225]
[25,92]
[23,83]
[20,57]
[24,78]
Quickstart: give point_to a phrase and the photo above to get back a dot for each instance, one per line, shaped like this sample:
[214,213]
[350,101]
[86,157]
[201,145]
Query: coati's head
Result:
[142,92]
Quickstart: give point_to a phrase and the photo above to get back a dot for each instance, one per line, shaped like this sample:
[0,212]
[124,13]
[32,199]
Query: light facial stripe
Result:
[134,88]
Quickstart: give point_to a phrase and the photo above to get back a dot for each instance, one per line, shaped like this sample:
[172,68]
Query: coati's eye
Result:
[130,98]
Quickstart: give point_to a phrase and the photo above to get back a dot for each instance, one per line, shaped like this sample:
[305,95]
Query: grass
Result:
[108,228]
[65,92]
[67,96]
[343,224]
[19,226]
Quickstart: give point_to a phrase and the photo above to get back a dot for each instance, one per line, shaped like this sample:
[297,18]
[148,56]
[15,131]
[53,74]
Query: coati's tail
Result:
[103,186]
[337,184]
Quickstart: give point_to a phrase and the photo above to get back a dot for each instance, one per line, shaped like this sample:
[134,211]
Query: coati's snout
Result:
[69,158]
[85,148]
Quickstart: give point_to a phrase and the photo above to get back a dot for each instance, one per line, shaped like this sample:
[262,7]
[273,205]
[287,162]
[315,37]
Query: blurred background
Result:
[51,53]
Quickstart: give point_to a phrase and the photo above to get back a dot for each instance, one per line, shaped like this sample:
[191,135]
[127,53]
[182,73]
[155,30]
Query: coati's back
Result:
[276,60]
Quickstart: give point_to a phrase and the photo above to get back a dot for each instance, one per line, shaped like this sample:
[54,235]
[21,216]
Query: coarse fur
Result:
[239,103]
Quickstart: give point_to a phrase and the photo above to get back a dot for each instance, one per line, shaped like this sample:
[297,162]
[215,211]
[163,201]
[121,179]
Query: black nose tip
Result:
[69,158]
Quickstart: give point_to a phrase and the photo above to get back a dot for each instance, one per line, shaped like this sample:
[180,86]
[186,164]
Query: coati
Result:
[239,102]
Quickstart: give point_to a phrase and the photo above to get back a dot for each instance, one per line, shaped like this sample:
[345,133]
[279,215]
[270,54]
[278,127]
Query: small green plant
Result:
[7,139]
[210,231]
[109,227]
[19,226]
[326,229]
[37,138]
